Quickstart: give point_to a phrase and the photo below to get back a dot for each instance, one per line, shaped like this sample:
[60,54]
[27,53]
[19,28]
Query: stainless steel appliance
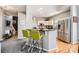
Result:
[64,30]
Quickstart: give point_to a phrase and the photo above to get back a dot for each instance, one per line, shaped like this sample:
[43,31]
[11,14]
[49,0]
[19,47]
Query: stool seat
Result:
[26,33]
[36,35]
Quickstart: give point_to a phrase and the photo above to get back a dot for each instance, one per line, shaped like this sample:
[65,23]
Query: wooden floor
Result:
[63,47]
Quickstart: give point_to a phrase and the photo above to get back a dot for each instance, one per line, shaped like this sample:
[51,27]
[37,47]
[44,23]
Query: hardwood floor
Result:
[63,47]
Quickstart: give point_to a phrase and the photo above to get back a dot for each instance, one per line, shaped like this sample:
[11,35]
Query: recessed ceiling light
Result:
[41,8]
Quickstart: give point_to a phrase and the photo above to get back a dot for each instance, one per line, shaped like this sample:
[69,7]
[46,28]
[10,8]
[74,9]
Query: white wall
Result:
[21,24]
[73,25]
[74,33]
[78,23]
[30,23]
[1,24]
[0,47]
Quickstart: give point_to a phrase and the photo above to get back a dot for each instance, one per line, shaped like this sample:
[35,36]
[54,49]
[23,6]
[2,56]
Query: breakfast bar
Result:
[49,40]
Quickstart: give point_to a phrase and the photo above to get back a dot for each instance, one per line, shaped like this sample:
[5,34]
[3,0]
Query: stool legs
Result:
[24,45]
[28,45]
[32,46]
[42,45]
[36,44]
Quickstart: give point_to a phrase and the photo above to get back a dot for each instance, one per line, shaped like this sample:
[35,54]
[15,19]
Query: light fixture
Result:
[40,9]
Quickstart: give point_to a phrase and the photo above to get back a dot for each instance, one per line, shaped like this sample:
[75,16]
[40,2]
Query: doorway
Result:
[15,26]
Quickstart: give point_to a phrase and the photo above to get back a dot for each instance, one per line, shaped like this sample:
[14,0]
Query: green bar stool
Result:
[37,39]
[26,35]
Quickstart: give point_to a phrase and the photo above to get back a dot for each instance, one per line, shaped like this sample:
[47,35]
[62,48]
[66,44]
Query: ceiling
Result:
[36,10]
[47,10]
[13,9]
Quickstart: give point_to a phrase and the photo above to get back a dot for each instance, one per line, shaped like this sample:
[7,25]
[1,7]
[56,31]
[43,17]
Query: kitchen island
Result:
[49,40]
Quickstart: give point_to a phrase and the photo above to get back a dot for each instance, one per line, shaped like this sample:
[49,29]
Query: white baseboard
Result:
[52,49]
[74,42]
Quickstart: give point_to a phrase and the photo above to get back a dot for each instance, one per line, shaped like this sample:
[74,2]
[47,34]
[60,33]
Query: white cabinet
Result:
[46,22]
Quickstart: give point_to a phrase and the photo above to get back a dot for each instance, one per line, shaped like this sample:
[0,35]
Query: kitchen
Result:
[59,17]
[56,22]
[50,17]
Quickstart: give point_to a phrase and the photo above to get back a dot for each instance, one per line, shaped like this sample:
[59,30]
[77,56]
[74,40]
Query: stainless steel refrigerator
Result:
[64,30]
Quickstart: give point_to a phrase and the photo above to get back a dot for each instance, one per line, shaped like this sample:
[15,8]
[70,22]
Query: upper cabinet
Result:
[46,22]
